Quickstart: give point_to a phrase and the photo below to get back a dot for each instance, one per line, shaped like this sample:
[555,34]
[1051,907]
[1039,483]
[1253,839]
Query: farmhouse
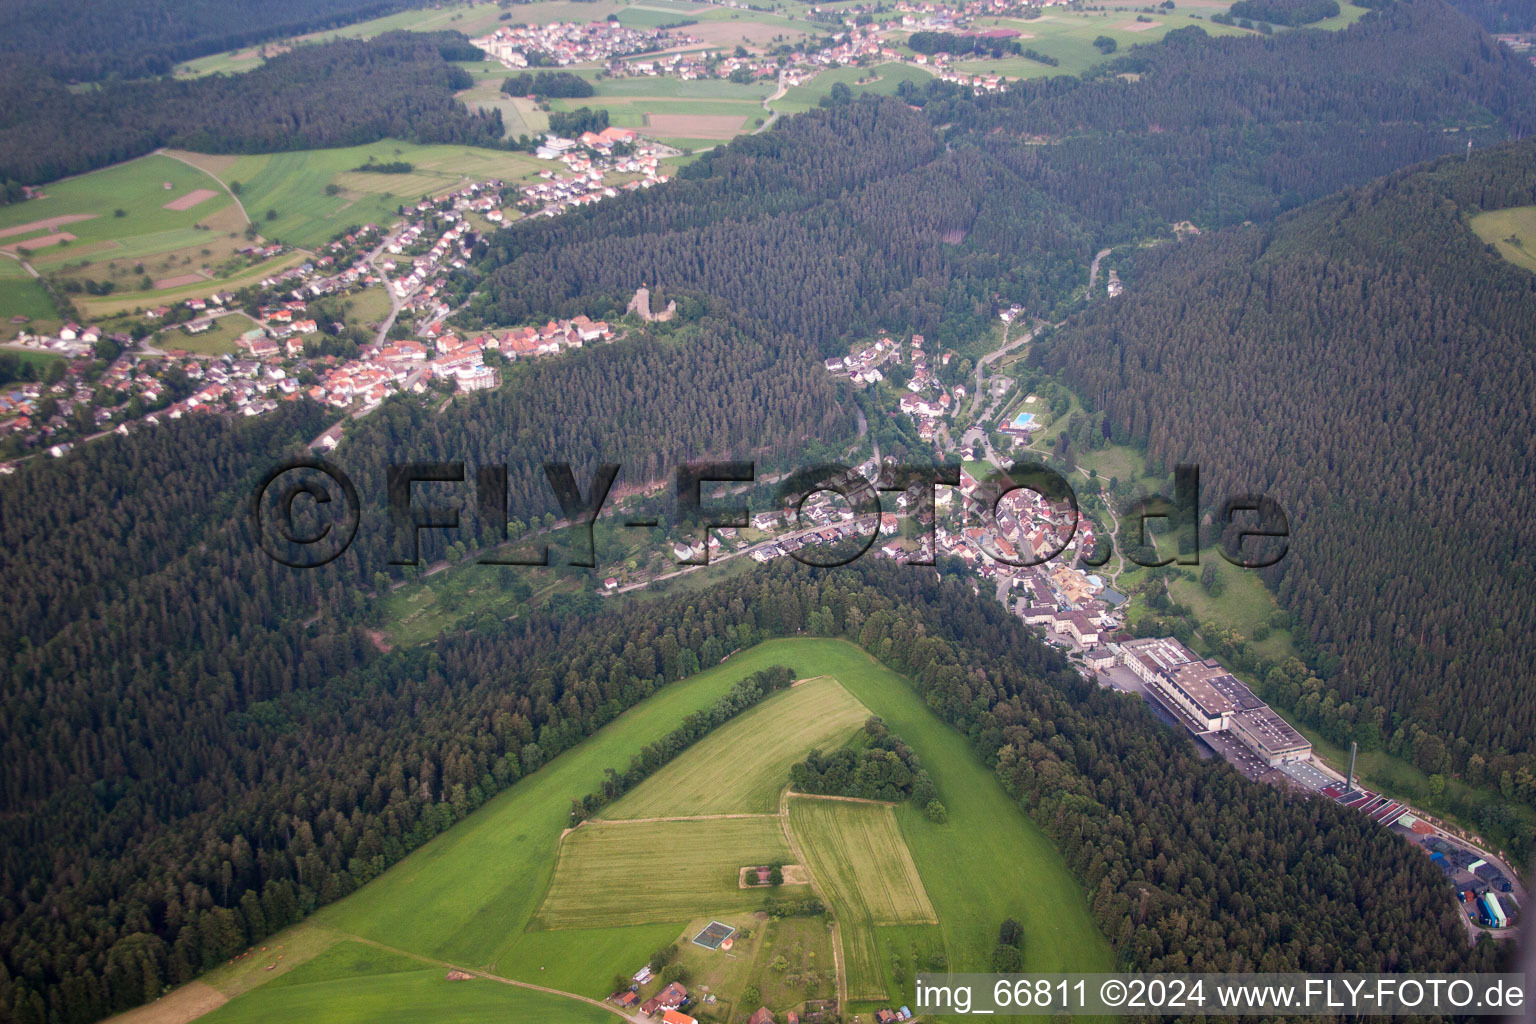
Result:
[762,1016]
[666,1001]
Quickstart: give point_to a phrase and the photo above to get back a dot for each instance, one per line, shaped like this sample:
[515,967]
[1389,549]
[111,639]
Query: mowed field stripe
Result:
[622,873]
[742,766]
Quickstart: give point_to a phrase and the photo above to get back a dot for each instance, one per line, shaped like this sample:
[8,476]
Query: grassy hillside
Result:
[294,185]
[743,765]
[1512,232]
[470,895]
[650,872]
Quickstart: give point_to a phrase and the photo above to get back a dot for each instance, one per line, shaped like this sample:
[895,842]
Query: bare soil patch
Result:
[44,242]
[191,199]
[181,1006]
[794,874]
[178,281]
[1137,26]
[45,225]
[695,126]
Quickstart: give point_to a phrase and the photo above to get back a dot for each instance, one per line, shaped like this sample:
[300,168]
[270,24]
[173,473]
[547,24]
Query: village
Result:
[561,44]
[145,379]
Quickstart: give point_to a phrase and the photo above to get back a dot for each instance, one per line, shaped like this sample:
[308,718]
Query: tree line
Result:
[1293,13]
[342,93]
[553,84]
[91,40]
[746,694]
[878,766]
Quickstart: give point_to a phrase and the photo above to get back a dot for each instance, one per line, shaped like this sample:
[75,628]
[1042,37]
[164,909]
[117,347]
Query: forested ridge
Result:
[846,220]
[85,40]
[342,93]
[1366,362]
[148,636]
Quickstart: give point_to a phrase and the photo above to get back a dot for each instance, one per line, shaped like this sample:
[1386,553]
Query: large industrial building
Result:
[1210,699]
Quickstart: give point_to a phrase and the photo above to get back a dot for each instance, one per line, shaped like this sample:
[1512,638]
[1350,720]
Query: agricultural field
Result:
[122,225]
[860,862]
[687,115]
[1512,232]
[1068,36]
[647,872]
[880,80]
[855,850]
[288,195]
[742,766]
[472,895]
[519,115]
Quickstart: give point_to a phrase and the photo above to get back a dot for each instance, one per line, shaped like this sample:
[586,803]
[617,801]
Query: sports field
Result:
[743,765]
[1512,232]
[645,872]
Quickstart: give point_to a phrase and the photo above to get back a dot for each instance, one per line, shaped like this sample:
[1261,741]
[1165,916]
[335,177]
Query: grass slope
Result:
[1512,232]
[293,185]
[743,765]
[643,872]
[22,295]
[352,982]
[469,895]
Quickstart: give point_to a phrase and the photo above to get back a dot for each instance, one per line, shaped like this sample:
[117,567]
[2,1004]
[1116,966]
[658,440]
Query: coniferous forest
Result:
[203,746]
[1369,333]
[341,93]
[88,40]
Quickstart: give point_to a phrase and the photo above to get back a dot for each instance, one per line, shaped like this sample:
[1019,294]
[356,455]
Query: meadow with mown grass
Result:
[501,892]
[741,767]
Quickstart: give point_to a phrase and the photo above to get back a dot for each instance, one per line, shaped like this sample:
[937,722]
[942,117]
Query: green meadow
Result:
[22,295]
[1512,232]
[352,983]
[1068,36]
[287,197]
[880,80]
[471,896]
[742,766]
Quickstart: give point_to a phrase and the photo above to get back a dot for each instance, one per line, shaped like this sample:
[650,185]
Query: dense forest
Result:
[86,40]
[1500,15]
[1294,13]
[869,216]
[1354,360]
[342,93]
[1187,865]
[877,766]
[554,84]
[127,742]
